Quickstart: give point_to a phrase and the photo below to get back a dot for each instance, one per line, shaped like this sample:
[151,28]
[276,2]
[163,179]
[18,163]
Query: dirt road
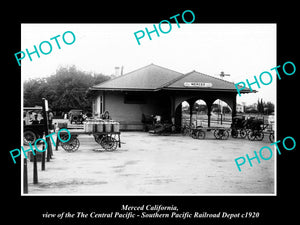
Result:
[149,164]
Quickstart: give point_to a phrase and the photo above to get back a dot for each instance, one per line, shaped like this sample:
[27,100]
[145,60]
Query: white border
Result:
[113,195]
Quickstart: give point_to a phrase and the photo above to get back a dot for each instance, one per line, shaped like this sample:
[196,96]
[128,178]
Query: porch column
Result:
[191,103]
[191,114]
[233,106]
[209,102]
[208,115]
[172,112]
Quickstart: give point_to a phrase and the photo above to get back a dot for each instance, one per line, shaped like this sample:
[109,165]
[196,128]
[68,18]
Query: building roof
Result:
[194,80]
[151,77]
[154,78]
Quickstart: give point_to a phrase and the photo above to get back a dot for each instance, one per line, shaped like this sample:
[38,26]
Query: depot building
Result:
[155,90]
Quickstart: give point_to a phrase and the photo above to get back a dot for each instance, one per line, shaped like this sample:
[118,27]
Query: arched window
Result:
[221,113]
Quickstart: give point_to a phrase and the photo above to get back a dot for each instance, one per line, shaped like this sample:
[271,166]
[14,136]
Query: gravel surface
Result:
[156,165]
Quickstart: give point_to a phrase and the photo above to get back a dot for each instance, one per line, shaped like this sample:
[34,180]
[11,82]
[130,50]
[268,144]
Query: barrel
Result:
[94,126]
[107,126]
[99,126]
[116,127]
[89,127]
[84,126]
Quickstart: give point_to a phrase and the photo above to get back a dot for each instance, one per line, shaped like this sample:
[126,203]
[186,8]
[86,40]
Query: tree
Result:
[65,90]
[260,106]
[34,91]
[269,107]
[265,108]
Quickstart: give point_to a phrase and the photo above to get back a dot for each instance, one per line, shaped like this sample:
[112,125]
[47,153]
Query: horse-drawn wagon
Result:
[106,134]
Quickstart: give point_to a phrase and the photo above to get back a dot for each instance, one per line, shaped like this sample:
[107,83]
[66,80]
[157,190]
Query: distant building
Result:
[155,90]
[240,108]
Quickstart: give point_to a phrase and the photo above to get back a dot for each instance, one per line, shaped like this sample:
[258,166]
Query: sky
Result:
[241,50]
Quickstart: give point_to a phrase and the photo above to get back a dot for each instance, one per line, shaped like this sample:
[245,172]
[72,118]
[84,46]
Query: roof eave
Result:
[199,89]
[170,88]
[122,89]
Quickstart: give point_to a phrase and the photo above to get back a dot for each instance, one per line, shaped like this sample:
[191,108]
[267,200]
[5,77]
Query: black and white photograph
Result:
[157,115]
[150,113]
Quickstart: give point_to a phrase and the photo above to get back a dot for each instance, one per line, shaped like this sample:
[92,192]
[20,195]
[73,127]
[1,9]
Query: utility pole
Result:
[46,128]
[222,75]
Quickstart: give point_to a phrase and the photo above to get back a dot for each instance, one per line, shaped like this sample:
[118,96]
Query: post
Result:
[55,129]
[191,103]
[57,142]
[172,113]
[48,150]
[25,177]
[221,117]
[45,109]
[191,115]
[208,114]
[43,157]
[233,107]
[35,172]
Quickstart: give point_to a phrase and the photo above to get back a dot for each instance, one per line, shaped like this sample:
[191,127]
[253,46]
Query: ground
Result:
[150,164]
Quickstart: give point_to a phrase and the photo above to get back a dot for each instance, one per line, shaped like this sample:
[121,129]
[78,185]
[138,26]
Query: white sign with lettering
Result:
[197,84]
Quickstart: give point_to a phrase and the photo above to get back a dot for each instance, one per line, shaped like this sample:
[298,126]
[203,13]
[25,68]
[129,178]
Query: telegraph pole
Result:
[46,128]
[222,75]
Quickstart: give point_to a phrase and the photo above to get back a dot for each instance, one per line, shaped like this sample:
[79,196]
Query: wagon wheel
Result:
[259,135]
[224,134]
[72,145]
[29,137]
[64,136]
[108,143]
[194,134]
[185,131]
[243,133]
[221,134]
[251,136]
[234,133]
[98,138]
[200,134]
[271,137]
[217,134]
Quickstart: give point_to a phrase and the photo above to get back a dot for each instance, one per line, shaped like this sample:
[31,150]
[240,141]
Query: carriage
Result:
[199,132]
[106,134]
[253,128]
[238,127]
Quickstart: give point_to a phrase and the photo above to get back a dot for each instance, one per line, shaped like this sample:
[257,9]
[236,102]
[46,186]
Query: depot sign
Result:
[197,84]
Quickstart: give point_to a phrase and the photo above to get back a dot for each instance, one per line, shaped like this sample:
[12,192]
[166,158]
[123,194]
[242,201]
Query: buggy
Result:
[109,141]
[238,127]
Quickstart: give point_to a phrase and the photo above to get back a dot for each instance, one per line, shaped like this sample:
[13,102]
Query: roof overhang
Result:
[93,89]
[153,78]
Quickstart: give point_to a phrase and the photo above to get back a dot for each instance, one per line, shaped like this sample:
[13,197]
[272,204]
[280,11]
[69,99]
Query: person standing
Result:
[50,118]
[105,116]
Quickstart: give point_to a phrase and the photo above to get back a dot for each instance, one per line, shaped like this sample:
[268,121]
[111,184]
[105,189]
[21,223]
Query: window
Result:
[98,105]
[101,104]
